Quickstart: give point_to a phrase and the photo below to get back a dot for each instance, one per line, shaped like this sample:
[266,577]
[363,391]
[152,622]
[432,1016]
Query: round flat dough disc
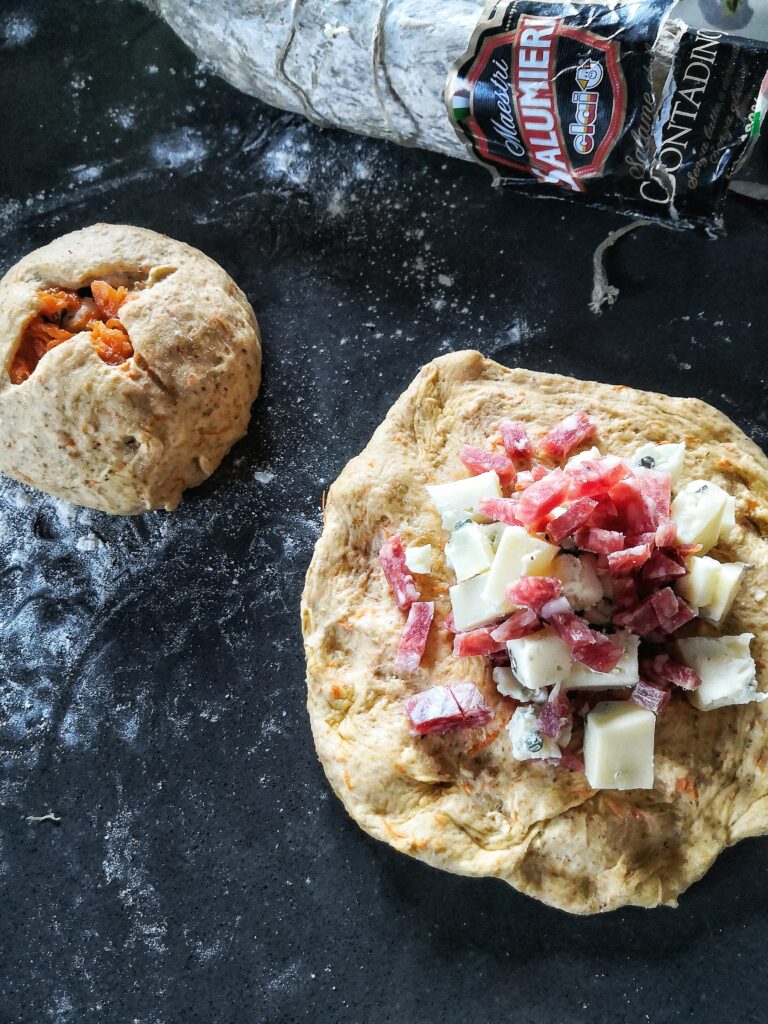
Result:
[130,437]
[460,801]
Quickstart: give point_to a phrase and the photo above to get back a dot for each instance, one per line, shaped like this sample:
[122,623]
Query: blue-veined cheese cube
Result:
[703,512]
[663,458]
[539,659]
[726,668]
[528,744]
[507,685]
[462,496]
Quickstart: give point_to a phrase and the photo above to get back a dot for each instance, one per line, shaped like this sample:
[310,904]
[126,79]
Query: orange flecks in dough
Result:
[687,787]
[622,810]
[46,330]
[388,827]
[486,741]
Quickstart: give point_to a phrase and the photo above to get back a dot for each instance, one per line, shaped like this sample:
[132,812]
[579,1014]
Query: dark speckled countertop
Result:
[151,670]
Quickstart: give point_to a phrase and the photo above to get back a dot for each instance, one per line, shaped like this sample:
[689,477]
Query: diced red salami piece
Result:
[625,595]
[534,591]
[663,671]
[499,658]
[410,650]
[666,534]
[573,630]
[392,558]
[517,444]
[601,656]
[568,435]
[557,606]
[519,624]
[541,497]
[652,698]
[474,642]
[636,510]
[569,761]
[622,563]
[474,706]
[600,542]
[642,620]
[635,540]
[450,623]
[657,487]
[664,603]
[660,568]
[538,472]
[435,710]
[606,515]
[595,477]
[572,519]
[503,510]
[684,614]
[556,715]
[445,708]
[476,460]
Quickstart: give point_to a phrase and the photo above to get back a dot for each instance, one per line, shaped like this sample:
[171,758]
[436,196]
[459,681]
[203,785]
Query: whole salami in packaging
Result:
[614,104]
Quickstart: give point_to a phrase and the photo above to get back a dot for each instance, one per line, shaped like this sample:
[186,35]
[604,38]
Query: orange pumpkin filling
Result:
[62,314]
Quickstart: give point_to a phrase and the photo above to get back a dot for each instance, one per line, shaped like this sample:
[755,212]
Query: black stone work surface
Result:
[152,690]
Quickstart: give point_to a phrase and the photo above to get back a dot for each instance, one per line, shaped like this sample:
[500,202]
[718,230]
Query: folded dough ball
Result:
[130,364]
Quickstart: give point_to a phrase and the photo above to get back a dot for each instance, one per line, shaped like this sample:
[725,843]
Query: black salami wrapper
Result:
[617,104]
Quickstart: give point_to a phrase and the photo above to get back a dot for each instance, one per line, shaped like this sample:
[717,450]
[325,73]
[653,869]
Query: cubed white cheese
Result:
[728,583]
[464,495]
[626,672]
[711,586]
[699,511]
[540,659]
[470,609]
[728,522]
[618,746]
[418,558]
[518,554]
[455,518]
[580,581]
[698,587]
[587,456]
[527,742]
[664,458]
[726,667]
[469,551]
[510,687]
[493,532]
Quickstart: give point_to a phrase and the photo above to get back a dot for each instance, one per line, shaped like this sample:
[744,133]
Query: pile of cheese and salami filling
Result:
[573,579]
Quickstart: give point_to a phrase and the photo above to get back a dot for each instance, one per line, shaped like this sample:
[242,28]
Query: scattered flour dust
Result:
[17,30]
[123,866]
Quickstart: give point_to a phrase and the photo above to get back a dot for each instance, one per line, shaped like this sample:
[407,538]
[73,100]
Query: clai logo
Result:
[589,74]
